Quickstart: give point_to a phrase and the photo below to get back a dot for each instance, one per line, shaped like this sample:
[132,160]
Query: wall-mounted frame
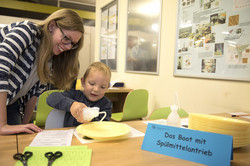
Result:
[109,31]
[143,36]
[213,39]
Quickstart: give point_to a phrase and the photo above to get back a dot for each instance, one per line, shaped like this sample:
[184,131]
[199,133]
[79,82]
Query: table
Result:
[128,151]
[118,152]
[7,149]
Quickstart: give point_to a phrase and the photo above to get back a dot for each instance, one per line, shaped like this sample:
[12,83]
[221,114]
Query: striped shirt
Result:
[19,43]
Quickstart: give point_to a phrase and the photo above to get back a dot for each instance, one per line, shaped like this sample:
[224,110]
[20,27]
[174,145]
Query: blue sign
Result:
[192,145]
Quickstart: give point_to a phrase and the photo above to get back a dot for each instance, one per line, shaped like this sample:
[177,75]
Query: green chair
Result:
[182,113]
[135,106]
[43,109]
[162,113]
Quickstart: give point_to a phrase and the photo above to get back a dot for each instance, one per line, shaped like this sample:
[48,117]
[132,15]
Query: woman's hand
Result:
[16,129]
[76,110]
[6,129]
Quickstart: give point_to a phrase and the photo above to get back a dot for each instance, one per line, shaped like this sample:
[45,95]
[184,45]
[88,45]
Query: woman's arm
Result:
[12,129]
[3,112]
[29,108]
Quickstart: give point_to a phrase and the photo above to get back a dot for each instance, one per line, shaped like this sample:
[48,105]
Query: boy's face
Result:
[95,85]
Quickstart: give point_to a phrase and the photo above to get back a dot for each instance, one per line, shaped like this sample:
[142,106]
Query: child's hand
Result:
[76,111]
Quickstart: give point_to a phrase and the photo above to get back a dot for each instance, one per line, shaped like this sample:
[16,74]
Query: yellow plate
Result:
[239,129]
[218,127]
[218,119]
[103,130]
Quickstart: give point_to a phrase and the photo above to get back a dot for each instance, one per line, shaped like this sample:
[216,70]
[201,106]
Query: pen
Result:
[240,115]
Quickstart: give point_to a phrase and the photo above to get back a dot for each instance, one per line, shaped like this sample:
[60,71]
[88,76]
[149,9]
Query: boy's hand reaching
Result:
[76,111]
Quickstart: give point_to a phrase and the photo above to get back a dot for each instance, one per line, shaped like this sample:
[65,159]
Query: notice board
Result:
[109,31]
[213,39]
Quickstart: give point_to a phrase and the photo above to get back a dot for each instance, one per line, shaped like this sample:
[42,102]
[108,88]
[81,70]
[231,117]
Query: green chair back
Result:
[43,109]
[162,113]
[182,113]
[135,106]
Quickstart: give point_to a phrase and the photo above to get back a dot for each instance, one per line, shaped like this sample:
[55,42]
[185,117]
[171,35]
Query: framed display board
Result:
[213,39]
[108,41]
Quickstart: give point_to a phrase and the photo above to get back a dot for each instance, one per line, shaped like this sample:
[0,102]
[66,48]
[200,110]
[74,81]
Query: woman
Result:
[31,56]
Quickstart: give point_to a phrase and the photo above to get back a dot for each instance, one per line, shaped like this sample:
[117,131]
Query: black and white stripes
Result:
[18,49]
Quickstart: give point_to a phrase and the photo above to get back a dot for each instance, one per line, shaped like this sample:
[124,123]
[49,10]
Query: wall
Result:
[86,54]
[196,95]
[9,19]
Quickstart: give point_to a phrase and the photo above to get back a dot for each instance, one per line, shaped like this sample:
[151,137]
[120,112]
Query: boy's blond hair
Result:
[98,66]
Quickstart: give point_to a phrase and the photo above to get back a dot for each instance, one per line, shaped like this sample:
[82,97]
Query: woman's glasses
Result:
[66,40]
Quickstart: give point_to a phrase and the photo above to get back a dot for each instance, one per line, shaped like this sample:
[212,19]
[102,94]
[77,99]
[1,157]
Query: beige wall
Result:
[9,19]
[86,55]
[196,95]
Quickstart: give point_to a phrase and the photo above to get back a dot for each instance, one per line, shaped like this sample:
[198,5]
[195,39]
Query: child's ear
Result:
[82,82]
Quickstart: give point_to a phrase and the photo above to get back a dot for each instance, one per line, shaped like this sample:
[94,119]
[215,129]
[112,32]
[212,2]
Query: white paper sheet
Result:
[53,138]
[184,122]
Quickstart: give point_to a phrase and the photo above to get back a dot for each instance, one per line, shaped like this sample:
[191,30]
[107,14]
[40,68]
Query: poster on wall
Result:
[213,39]
[108,40]
[104,48]
[112,17]
[104,23]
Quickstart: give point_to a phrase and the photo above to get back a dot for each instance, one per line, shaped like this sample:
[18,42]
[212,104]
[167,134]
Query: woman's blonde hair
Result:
[65,67]
[98,66]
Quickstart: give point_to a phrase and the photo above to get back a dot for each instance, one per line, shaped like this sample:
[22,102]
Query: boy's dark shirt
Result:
[64,100]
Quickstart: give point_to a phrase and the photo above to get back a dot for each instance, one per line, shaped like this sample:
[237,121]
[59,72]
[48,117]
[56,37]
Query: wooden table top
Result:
[120,152]
[7,149]
[119,90]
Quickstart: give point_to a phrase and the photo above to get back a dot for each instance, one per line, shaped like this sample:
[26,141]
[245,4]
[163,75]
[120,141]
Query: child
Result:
[95,83]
